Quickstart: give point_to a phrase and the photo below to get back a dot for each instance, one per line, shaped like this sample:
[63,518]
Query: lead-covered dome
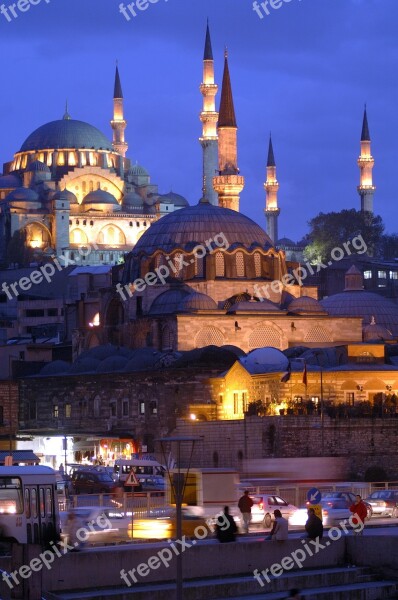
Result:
[66,133]
[194,225]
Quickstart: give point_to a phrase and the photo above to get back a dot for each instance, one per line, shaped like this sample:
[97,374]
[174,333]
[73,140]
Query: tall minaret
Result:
[271,187]
[209,118]
[118,123]
[228,183]
[366,162]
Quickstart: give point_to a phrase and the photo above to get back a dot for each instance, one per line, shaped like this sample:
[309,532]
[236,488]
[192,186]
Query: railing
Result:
[143,504]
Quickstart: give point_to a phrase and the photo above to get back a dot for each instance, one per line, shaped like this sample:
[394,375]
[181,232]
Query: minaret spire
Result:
[366,163]
[208,117]
[271,187]
[228,184]
[66,116]
[118,122]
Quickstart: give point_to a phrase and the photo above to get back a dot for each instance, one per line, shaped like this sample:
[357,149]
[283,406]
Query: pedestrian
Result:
[313,526]
[360,512]
[61,470]
[72,529]
[281,528]
[245,506]
[226,527]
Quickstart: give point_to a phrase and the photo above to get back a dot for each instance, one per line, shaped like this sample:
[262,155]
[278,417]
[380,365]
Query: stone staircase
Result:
[340,583]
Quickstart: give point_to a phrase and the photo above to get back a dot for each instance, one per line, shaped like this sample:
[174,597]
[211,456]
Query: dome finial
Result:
[66,116]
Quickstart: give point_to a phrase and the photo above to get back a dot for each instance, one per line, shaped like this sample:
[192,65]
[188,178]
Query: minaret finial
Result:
[118,122]
[208,53]
[66,116]
[117,93]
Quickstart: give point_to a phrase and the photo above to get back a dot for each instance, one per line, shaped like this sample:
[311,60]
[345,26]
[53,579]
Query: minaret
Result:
[366,162]
[118,123]
[271,187]
[209,118]
[228,183]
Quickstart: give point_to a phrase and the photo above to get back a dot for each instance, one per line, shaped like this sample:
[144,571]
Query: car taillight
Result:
[325,512]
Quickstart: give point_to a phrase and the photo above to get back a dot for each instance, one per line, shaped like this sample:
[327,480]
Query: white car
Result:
[264,506]
[100,524]
[334,510]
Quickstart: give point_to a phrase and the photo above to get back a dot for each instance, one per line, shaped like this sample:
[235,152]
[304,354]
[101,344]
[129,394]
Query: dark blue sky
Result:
[304,72]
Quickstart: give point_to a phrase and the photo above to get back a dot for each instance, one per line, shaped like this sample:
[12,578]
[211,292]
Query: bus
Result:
[28,505]
[142,468]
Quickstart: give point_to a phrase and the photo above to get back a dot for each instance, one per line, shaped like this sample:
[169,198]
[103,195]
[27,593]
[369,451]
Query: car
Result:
[349,498]
[101,524]
[151,482]
[264,506]
[165,525]
[92,482]
[384,503]
[334,510]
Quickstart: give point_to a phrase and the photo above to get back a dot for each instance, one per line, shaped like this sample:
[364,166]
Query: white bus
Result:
[142,468]
[28,505]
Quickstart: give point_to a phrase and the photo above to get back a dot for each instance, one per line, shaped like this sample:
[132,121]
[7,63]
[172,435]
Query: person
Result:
[280,530]
[360,513]
[61,470]
[72,528]
[313,526]
[226,527]
[119,494]
[245,506]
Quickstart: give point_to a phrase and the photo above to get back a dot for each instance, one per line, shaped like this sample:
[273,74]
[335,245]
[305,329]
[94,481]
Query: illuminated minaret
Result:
[366,162]
[271,187]
[118,123]
[228,183]
[209,118]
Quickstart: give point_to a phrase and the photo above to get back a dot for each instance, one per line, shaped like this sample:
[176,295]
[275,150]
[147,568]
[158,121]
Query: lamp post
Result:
[10,379]
[177,487]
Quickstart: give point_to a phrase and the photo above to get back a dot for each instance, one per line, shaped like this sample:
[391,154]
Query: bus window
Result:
[42,504]
[11,495]
[27,503]
[49,503]
[33,502]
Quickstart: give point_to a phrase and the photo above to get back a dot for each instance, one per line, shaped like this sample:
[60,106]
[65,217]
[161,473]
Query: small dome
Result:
[174,198]
[55,367]
[65,195]
[99,197]
[104,351]
[87,365]
[9,181]
[305,305]
[169,302]
[286,242]
[253,306]
[133,201]
[143,359]
[38,167]
[112,363]
[269,359]
[197,301]
[138,171]
[23,194]
[376,333]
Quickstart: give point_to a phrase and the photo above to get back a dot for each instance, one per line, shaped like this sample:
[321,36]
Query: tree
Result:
[18,252]
[389,246]
[332,230]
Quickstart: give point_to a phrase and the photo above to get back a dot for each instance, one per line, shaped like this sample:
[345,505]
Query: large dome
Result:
[188,227]
[66,133]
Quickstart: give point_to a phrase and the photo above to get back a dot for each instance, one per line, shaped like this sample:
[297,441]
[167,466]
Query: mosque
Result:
[70,187]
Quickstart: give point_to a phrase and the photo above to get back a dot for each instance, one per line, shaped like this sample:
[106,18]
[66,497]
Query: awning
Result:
[20,456]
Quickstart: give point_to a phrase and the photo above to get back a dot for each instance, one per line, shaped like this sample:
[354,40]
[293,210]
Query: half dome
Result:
[38,167]
[197,301]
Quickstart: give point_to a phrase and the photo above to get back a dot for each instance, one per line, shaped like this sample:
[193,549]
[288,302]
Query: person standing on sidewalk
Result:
[245,506]
[360,513]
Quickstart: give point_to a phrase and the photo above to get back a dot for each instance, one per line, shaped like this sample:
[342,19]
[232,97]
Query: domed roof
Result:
[253,306]
[305,305]
[86,365]
[197,301]
[55,368]
[22,194]
[193,225]
[265,359]
[38,167]
[66,133]
[112,363]
[138,171]
[133,199]
[374,332]
[104,351]
[99,197]
[169,302]
[285,242]
[65,195]
[144,358]
[9,181]
[359,303]
[174,198]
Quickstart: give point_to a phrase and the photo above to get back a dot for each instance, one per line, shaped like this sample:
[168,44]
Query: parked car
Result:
[264,506]
[349,498]
[384,502]
[151,482]
[95,520]
[334,510]
[92,482]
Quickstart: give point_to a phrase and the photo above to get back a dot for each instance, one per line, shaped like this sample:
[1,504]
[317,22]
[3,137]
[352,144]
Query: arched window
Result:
[199,267]
[177,261]
[240,264]
[220,264]
[257,264]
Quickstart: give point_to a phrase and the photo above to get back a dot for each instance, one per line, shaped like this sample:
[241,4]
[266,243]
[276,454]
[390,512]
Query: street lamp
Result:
[177,486]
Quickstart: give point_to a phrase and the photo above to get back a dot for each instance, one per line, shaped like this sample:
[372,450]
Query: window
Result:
[257,264]
[244,401]
[142,408]
[52,312]
[49,501]
[350,397]
[34,312]
[240,265]
[236,403]
[33,503]
[153,407]
[11,495]
[68,410]
[382,274]
[42,503]
[32,410]
[220,264]
[1,415]
[393,274]
[113,409]
[55,411]
[27,503]
[125,408]
[367,274]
